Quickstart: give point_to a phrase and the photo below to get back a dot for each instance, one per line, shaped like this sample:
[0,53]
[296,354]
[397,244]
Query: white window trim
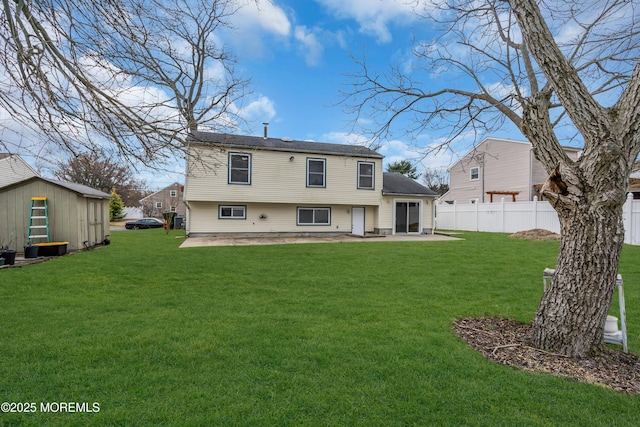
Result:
[173,193]
[232,207]
[158,205]
[471,178]
[420,212]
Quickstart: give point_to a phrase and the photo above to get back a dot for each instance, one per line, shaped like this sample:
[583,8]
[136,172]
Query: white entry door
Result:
[357,221]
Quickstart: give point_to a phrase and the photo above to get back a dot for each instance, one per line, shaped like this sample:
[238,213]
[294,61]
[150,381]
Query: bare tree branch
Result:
[132,77]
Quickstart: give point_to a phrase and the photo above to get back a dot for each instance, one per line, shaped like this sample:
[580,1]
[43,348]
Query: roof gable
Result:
[14,169]
[478,148]
[174,186]
[276,144]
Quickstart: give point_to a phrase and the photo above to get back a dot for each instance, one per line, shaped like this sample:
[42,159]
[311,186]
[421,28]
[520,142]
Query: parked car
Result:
[144,223]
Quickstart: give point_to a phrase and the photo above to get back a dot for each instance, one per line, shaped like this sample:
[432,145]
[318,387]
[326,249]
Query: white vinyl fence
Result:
[511,217]
[132,212]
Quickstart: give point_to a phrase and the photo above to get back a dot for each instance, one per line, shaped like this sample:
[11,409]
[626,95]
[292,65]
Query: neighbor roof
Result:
[284,144]
[395,183]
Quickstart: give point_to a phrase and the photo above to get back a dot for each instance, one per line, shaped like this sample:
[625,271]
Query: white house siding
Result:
[277,179]
[276,218]
[14,169]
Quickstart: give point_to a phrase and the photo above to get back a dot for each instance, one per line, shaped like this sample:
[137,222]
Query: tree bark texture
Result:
[571,315]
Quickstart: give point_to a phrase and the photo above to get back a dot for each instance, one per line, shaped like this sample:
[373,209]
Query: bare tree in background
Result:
[567,71]
[436,179]
[98,171]
[128,77]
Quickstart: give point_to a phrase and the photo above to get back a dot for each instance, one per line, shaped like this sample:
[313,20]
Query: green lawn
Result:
[337,334]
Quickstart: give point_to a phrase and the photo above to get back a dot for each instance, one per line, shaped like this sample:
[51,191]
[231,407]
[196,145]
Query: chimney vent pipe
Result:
[266,125]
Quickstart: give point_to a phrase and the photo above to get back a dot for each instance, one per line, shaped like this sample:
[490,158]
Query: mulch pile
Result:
[536,234]
[506,341]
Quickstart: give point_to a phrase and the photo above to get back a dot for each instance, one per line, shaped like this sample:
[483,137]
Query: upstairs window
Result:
[158,205]
[365,175]
[239,168]
[173,193]
[474,174]
[316,173]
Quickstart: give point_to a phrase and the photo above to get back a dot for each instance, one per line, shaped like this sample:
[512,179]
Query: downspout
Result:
[482,164]
[530,172]
[184,192]
[433,215]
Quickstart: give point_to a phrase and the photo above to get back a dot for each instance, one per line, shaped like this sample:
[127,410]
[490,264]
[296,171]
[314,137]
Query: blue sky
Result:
[299,57]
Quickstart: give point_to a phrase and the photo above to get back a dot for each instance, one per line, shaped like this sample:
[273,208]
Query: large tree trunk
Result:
[571,316]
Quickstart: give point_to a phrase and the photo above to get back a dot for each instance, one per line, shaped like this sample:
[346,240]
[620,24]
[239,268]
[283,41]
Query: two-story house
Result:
[498,168]
[248,184]
[168,199]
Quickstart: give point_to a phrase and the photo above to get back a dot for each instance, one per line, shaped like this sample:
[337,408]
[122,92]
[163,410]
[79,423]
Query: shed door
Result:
[95,222]
[357,221]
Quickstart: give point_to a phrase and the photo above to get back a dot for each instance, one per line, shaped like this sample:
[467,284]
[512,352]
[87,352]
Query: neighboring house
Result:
[14,169]
[169,199]
[77,214]
[498,168]
[246,184]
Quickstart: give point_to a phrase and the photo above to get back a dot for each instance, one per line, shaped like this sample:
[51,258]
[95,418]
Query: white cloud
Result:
[261,109]
[310,46]
[345,138]
[263,14]
[373,16]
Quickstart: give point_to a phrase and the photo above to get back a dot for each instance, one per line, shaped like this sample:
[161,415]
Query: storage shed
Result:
[77,214]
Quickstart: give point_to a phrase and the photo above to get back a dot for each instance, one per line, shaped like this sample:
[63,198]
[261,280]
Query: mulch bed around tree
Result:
[506,341]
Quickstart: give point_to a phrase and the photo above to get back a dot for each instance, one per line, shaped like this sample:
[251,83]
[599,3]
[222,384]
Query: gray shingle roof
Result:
[396,183]
[277,144]
[83,190]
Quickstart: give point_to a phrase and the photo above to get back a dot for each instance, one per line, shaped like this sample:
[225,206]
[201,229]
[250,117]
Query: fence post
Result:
[476,215]
[455,215]
[535,212]
[502,214]
[627,212]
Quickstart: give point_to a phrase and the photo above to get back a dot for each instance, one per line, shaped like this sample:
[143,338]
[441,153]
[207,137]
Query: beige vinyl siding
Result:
[280,218]
[278,178]
[427,214]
